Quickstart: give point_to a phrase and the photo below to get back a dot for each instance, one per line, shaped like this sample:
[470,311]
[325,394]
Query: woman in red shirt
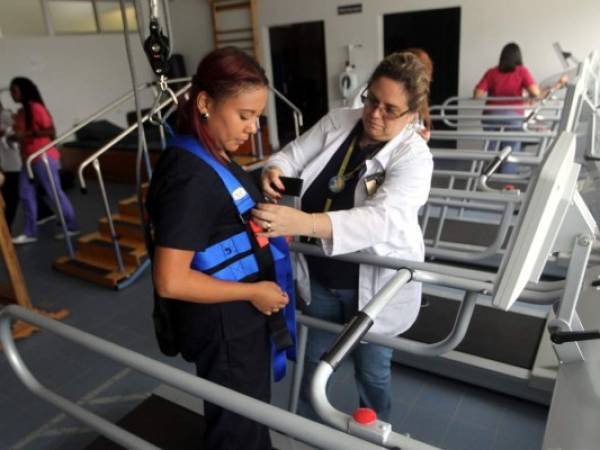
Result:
[508,79]
[34,129]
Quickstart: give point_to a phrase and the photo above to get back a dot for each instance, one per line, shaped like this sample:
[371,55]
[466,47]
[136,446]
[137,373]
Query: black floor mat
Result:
[162,423]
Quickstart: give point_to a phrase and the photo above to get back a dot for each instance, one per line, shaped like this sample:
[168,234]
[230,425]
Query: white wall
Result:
[77,75]
[192,27]
[485,27]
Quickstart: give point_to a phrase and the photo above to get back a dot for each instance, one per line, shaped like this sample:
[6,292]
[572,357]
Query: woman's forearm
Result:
[321,226]
[173,278]
[197,287]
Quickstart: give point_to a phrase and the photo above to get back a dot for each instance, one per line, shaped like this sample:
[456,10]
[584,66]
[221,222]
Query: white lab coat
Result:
[384,224]
[10,156]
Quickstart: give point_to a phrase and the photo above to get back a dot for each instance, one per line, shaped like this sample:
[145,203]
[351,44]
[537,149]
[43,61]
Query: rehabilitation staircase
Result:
[94,258]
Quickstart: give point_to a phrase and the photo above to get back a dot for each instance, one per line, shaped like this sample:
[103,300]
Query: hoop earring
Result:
[204,115]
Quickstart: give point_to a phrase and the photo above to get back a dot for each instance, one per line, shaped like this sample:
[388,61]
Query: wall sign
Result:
[350,9]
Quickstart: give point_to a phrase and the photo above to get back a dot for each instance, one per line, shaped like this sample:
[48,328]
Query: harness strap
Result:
[222,251]
[283,344]
[241,198]
[238,270]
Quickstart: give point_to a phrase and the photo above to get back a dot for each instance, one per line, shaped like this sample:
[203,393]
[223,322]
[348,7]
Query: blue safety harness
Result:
[225,255]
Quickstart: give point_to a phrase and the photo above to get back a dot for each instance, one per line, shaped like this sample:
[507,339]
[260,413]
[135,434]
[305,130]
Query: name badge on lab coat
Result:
[372,183]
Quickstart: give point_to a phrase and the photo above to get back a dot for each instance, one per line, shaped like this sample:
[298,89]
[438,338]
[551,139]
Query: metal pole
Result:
[111,225]
[58,207]
[298,368]
[276,418]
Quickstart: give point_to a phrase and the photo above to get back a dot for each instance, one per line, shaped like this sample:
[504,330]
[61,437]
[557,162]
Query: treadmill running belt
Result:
[162,423]
[507,337]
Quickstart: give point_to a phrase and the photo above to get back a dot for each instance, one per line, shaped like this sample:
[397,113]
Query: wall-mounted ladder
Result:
[235,23]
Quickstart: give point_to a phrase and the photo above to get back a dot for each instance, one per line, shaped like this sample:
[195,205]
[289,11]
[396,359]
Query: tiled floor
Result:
[439,411]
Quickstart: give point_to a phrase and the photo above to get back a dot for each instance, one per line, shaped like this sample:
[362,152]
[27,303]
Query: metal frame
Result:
[298,118]
[276,418]
[567,319]
[94,160]
[442,204]
[472,282]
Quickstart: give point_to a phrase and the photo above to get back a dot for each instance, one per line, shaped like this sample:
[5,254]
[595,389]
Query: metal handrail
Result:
[443,275]
[488,117]
[346,341]
[488,172]
[42,154]
[523,158]
[350,336]
[504,196]
[456,99]
[298,118]
[276,418]
[519,136]
[109,107]
[106,109]
[119,137]
[95,161]
[465,175]
[489,251]
[58,206]
[530,103]
[491,107]
[472,282]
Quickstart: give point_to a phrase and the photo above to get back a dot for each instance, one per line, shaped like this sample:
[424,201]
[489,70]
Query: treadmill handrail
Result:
[523,158]
[544,292]
[517,136]
[299,427]
[354,332]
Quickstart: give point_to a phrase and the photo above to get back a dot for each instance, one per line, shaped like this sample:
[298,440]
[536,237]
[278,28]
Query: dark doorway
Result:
[437,31]
[299,73]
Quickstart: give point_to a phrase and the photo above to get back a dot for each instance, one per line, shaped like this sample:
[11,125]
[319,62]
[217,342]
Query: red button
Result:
[364,416]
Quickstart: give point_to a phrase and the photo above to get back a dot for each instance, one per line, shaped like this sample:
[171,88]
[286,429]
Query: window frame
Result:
[50,28]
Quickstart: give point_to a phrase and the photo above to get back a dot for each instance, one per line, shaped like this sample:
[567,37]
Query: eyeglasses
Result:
[388,112]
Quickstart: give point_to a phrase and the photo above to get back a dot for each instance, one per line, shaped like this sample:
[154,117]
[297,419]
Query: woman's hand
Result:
[271,182]
[268,297]
[278,220]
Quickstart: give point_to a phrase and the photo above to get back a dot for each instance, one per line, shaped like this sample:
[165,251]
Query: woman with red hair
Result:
[219,317]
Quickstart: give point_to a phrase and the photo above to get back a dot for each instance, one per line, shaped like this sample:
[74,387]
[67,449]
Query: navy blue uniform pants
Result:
[244,365]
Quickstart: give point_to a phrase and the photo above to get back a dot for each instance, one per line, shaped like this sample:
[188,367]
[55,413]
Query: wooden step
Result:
[125,226]
[95,246]
[129,207]
[94,271]
[95,258]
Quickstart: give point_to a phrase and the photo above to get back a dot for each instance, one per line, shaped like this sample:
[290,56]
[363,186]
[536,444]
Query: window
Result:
[72,16]
[21,18]
[110,19]
[89,16]
[43,17]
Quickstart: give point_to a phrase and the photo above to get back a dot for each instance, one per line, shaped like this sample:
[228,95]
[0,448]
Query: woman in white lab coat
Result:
[366,173]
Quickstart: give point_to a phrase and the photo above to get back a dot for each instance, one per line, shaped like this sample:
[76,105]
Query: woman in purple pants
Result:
[34,129]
